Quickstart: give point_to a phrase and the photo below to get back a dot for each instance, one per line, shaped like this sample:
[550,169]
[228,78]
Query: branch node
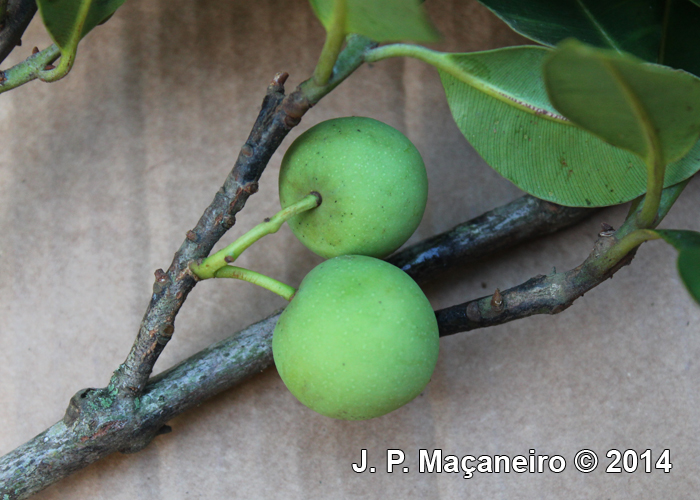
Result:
[291,121]
[277,83]
[192,236]
[606,230]
[294,107]
[166,334]
[161,277]
[473,312]
[162,280]
[497,301]
[74,407]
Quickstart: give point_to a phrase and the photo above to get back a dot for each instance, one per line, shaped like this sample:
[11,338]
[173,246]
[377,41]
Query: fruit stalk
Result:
[282,289]
[209,266]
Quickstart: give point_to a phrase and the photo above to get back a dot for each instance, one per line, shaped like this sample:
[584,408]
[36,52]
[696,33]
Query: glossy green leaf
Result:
[688,245]
[689,270]
[624,25]
[648,109]
[661,31]
[382,20]
[680,47]
[696,2]
[499,102]
[61,17]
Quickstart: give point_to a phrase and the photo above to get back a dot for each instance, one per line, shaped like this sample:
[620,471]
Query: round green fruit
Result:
[358,340]
[373,184]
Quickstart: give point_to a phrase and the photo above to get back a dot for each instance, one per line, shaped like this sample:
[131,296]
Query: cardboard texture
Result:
[102,174]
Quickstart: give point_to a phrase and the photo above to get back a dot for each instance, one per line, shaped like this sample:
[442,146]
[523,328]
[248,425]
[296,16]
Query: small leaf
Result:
[689,269]
[688,245]
[660,31]
[61,17]
[680,239]
[650,110]
[499,102]
[382,20]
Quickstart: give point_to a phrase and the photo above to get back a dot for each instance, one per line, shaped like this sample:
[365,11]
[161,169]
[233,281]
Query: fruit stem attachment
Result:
[209,266]
[282,289]
[335,36]
[629,243]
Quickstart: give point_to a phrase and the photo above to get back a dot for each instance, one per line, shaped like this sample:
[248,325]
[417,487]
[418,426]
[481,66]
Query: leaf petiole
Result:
[656,167]
[631,235]
[209,266]
[629,243]
[335,36]
[70,49]
[655,185]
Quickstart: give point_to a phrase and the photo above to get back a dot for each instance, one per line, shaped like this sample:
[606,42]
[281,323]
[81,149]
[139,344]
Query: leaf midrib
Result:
[491,90]
[598,26]
[651,138]
[442,62]
[664,32]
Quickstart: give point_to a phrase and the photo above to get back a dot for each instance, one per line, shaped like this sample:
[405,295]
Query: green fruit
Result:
[358,340]
[373,184]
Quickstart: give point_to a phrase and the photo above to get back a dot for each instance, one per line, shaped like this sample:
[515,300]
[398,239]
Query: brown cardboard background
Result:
[102,173]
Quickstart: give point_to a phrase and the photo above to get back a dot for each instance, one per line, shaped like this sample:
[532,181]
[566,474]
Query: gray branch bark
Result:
[279,114]
[128,413]
[96,424]
[89,431]
[521,220]
[18,15]
[554,293]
